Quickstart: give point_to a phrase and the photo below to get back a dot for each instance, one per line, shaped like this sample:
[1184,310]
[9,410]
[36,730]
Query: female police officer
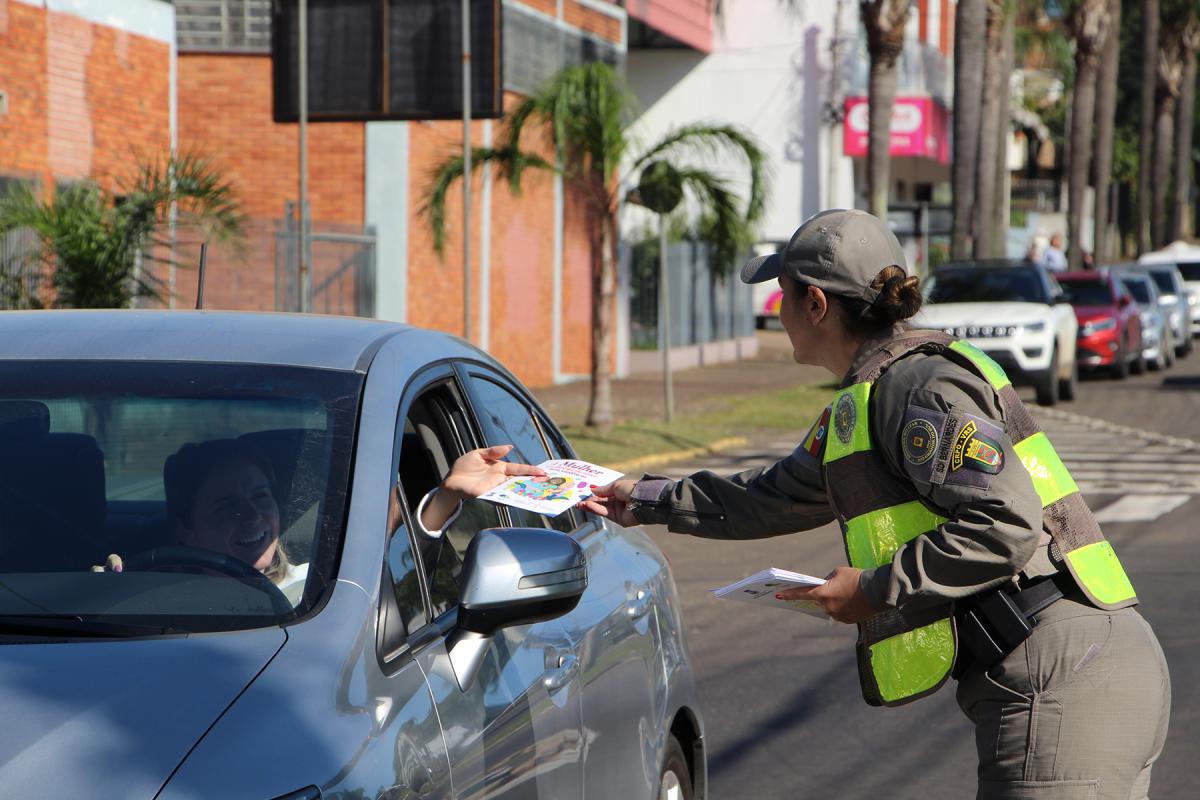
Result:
[972,553]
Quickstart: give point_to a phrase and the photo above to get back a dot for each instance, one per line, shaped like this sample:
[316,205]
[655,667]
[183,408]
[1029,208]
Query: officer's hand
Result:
[611,501]
[840,596]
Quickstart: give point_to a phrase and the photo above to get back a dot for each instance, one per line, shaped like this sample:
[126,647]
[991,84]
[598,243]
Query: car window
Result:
[401,560]
[508,420]
[434,434]
[986,285]
[1139,289]
[1162,279]
[1190,270]
[1087,292]
[218,489]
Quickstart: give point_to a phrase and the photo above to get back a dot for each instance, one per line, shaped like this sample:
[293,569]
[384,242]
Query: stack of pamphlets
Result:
[761,588]
[565,483]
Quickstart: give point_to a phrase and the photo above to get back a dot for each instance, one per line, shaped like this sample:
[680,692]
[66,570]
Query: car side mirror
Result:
[511,576]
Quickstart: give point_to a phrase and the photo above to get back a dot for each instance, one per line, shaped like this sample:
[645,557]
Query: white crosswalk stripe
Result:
[1129,474]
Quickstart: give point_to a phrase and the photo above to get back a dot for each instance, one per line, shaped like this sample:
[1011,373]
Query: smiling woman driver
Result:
[972,553]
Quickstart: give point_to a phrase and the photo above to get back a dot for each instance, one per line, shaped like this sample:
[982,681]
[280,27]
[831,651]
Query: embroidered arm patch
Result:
[952,448]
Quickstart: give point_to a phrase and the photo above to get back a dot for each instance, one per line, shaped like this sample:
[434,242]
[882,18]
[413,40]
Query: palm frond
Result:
[709,143]
[721,225]
[508,159]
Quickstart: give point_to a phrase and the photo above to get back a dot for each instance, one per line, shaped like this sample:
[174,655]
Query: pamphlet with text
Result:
[761,588]
[566,482]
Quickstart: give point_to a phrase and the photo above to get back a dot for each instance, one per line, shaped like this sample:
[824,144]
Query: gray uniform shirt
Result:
[994,521]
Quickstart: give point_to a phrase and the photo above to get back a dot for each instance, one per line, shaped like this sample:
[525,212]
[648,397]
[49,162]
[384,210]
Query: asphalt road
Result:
[783,713]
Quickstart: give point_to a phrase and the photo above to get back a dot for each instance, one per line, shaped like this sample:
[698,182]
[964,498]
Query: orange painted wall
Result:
[84,99]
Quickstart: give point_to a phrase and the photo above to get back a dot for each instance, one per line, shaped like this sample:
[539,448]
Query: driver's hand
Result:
[480,470]
[111,564]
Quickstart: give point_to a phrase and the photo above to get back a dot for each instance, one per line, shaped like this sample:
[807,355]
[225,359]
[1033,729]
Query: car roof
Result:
[987,263]
[1172,254]
[306,340]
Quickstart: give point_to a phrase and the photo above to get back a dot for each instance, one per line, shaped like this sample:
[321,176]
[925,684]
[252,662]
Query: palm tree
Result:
[1166,98]
[587,110]
[1106,109]
[1150,25]
[969,33]
[1184,122]
[1089,24]
[96,242]
[995,85]
[884,21]
[1002,191]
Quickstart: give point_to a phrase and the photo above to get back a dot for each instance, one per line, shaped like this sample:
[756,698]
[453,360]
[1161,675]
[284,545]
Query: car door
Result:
[514,732]
[613,630]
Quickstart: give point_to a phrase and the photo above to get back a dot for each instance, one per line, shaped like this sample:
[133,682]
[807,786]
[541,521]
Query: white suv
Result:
[1016,313]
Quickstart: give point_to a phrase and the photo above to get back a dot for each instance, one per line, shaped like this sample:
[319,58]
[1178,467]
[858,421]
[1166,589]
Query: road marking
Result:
[1141,507]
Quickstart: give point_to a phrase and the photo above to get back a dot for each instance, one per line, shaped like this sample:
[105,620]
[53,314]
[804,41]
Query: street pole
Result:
[304,277]
[466,83]
[834,115]
[664,317]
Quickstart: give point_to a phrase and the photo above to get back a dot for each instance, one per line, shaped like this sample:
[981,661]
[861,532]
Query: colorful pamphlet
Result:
[565,483]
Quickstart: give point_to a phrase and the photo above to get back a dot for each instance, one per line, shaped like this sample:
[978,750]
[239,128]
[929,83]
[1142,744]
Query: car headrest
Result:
[52,500]
[22,418]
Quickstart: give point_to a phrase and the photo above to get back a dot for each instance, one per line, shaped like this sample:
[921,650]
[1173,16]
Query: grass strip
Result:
[786,413]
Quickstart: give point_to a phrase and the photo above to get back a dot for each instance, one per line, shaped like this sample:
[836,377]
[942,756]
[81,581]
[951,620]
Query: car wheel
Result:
[1120,365]
[1168,348]
[676,780]
[1068,387]
[1138,367]
[1047,384]
[1187,344]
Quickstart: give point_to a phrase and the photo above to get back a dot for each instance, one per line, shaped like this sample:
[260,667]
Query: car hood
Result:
[115,718]
[1089,313]
[941,315]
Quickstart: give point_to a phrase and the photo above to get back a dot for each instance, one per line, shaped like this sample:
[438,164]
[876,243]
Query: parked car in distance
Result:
[1157,346]
[511,656]
[1173,297]
[1110,324]
[1015,312]
[1186,258]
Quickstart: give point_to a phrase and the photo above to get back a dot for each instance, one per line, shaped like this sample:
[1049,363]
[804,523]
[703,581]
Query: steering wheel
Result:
[183,556]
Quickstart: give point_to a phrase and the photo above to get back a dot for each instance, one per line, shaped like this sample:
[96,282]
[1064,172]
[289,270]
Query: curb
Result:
[654,459]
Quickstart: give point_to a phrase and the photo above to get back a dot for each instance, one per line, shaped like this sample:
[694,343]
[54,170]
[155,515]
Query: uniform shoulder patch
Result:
[844,417]
[918,441]
[816,434]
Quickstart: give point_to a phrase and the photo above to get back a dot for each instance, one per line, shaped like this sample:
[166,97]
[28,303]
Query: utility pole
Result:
[304,277]
[833,112]
[664,319]
[466,183]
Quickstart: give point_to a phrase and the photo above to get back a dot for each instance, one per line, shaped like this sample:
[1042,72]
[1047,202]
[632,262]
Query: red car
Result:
[1110,326]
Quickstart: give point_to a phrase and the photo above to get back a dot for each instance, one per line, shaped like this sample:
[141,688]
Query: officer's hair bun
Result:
[899,296]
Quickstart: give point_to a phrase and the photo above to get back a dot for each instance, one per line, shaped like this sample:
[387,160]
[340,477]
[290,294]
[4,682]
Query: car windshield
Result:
[1139,290]
[975,285]
[1190,270]
[169,497]
[1087,292]
[1162,279]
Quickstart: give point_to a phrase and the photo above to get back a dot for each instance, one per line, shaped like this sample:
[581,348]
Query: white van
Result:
[1186,257]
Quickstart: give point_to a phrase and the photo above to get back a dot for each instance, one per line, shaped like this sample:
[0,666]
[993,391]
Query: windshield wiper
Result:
[75,626]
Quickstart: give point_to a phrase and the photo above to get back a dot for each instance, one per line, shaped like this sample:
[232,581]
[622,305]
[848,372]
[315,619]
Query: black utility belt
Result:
[993,624]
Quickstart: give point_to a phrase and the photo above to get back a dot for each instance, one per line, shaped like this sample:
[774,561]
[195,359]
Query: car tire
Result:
[1068,388]
[1138,366]
[1046,385]
[675,780]
[1168,348]
[1120,366]
[1187,345]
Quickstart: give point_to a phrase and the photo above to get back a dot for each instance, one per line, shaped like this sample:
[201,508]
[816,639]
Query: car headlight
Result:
[1098,325]
[1193,299]
[1035,327]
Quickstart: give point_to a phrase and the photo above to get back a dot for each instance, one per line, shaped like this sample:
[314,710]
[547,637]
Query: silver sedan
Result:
[215,580]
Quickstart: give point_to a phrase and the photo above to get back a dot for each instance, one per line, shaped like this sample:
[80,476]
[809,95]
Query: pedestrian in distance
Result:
[1054,258]
[971,552]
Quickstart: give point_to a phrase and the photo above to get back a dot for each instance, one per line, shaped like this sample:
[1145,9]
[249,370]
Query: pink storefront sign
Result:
[920,128]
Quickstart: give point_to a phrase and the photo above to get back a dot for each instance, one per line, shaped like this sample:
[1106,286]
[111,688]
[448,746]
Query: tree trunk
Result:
[1089,26]
[1001,214]
[970,23]
[1164,131]
[989,129]
[1150,20]
[1183,142]
[600,411]
[881,99]
[1170,73]
[1106,108]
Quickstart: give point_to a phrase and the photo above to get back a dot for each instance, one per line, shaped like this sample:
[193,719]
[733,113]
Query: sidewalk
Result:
[696,390]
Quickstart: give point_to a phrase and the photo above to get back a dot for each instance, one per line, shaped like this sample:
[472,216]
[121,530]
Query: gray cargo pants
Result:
[1077,712]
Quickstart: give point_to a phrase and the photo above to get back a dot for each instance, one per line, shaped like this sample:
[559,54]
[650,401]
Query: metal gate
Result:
[341,269]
